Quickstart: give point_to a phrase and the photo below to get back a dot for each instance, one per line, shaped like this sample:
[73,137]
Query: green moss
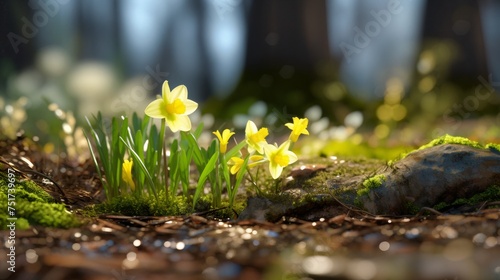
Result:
[137,205]
[490,194]
[33,206]
[411,208]
[371,183]
[493,146]
[448,139]
[358,203]
[133,205]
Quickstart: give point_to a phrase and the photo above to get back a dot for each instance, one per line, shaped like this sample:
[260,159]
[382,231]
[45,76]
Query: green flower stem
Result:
[163,154]
[218,185]
[254,183]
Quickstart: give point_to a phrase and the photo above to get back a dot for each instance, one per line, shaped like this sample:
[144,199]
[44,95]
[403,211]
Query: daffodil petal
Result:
[234,169]
[179,92]
[165,92]
[226,134]
[285,146]
[179,122]
[217,133]
[236,164]
[191,106]
[275,170]
[268,149]
[156,109]
[292,157]
[251,128]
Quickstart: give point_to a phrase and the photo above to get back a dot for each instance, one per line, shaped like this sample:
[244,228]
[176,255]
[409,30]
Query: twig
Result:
[432,210]
[24,171]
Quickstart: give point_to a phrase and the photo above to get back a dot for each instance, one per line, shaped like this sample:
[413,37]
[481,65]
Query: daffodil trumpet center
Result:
[281,159]
[177,107]
[257,137]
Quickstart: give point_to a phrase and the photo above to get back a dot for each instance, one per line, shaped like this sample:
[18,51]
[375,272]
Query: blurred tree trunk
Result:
[17,47]
[287,56]
[280,29]
[459,22]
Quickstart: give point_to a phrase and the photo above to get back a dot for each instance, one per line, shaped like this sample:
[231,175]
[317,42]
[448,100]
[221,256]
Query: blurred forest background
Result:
[402,69]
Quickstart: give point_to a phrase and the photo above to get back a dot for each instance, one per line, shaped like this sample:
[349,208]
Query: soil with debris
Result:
[349,244]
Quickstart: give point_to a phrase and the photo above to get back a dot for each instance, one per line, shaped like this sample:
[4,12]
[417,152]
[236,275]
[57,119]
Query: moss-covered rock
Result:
[449,139]
[314,190]
[371,183]
[439,172]
[446,171]
[33,206]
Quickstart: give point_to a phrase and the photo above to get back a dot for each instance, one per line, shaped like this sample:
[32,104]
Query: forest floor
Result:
[463,243]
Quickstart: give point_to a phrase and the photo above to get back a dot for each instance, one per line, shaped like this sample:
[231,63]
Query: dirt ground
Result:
[463,244]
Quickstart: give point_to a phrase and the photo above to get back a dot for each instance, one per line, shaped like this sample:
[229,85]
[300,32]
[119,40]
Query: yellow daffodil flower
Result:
[256,139]
[127,173]
[223,139]
[279,157]
[298,127]
[236,163]
[174,107]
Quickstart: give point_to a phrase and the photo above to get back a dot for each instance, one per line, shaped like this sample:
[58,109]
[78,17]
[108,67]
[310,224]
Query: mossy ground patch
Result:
[33,206]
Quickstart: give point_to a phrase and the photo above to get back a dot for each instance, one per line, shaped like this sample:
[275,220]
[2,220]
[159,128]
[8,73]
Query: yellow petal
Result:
[256,158]
[179,92]
[226,134]
[191,106]
[217,133]
[178,122]
[156,109]
[250,129]
[165,92]
[275,170]
[292,157]
[234,169]
[127,173]
[236,164]
[284,147]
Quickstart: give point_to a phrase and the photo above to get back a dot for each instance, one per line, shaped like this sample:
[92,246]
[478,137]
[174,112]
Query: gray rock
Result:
[257,209]
[430,176]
